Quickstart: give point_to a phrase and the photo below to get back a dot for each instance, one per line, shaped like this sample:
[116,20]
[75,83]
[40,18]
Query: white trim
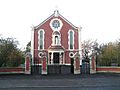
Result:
[69,39]
[55,64]
[67,64]
[72,50]
[40,54]
[37,64]
[36,27]
[52,52]
[68,22]
[64,58]
[55,50]
[39,39]
[32,44]
[53,39]
[70,55]
[44,21]
[51,58]
[107,67]
[56,29]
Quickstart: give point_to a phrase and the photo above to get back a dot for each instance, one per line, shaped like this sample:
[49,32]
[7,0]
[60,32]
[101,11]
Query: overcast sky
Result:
[99,19]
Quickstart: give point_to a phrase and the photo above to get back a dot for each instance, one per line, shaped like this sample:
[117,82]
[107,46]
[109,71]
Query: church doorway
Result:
[56,58]
[55,68]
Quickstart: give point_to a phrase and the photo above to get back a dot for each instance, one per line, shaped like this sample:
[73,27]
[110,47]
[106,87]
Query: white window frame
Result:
[52,52]
[39,39]
[69,39]
[56,29]
[53,39]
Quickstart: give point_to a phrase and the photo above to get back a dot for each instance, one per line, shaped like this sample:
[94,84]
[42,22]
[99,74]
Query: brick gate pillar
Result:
[27,64]
[44,65]
[92,65]
[76,65]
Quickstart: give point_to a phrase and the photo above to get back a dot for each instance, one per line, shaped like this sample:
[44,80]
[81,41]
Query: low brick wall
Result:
[12,70]
[108,69]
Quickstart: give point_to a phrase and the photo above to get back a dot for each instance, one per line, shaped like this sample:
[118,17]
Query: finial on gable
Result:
[56,13]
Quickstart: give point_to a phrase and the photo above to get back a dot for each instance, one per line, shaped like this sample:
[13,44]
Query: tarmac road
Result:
[60,82]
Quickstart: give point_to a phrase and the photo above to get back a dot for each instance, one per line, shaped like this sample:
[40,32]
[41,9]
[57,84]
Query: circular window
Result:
[56,24]
[71,54]
[40,54]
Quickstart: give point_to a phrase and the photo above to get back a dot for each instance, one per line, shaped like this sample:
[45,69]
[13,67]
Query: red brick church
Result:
[56,46]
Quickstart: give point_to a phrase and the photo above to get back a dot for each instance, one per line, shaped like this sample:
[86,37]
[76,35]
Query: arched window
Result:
[71,39]
[41,39]
[56,38]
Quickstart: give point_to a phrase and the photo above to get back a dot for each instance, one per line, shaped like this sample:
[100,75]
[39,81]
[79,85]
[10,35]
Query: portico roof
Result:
[56,48]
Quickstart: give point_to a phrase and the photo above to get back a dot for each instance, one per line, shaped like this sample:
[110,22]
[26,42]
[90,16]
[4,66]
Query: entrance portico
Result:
[56,55]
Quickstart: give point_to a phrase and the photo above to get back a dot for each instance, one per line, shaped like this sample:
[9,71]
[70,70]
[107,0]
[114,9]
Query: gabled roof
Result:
[68,21]
[56,14]
[43,21]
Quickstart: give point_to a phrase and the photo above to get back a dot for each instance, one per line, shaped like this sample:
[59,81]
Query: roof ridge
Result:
[56,14]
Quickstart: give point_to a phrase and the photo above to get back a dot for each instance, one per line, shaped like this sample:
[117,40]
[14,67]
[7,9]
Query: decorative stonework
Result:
[71,55]
[56,24]
[56,38]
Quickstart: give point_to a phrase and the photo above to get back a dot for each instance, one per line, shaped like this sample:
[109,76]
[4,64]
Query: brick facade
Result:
[62,27]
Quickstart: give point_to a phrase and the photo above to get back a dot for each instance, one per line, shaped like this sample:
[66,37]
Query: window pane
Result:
[41,39]
[56,40]
[71,40]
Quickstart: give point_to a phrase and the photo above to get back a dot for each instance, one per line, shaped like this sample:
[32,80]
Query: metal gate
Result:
[72,65]
[85,69]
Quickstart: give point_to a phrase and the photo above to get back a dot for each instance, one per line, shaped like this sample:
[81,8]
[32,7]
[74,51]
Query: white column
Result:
[32,44]
[52,58]
[79,44]
[60,58]
[48,57]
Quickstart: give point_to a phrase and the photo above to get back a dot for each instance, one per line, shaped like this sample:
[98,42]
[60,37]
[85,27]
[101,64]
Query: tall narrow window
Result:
[56,40]
[41,39]
[71,39]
